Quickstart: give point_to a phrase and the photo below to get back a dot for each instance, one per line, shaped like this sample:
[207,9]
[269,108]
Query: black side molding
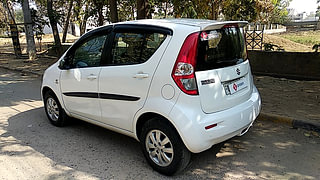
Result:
[102,96]
[118,97]
[82,94]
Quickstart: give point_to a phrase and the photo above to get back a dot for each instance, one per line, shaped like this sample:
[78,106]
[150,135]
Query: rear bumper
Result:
[191,123]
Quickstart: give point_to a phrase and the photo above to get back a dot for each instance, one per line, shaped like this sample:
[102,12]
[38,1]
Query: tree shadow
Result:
[105,154]
[17,88]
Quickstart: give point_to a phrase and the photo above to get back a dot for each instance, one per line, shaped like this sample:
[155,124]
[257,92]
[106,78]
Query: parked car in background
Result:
[178,86]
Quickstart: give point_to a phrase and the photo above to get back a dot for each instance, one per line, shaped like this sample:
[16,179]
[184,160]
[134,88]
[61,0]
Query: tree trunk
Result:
[13,30]
[54,26]
[73,29]
[83,23]
[113,11]
[215,9]
[166,9]
[31,46]
[66,24]
[83,26]
[100,16]
[141,9]
[132,13]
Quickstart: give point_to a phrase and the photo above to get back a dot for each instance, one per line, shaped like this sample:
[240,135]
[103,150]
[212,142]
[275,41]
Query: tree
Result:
[53,19]
[3,22]
[202,8]
[31,46]
[264,10]
[240,10]
[318,10]
[66,24]
[13,28]
[163,8]
[126,10]
[143,9]
[113,11]
[98,9]
[279,12]
[82,12]
[318,15]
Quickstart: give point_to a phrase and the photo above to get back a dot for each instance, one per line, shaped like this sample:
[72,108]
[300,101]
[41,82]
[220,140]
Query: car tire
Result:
[55,113]
[163,147]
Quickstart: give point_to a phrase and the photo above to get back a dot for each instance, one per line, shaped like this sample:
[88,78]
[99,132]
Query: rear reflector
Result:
[210,126]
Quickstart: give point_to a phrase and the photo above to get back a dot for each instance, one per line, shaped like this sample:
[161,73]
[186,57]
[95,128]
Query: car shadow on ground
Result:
[100,153]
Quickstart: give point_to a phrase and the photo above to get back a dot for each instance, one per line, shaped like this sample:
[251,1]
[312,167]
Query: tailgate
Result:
[223,88]
[222,70]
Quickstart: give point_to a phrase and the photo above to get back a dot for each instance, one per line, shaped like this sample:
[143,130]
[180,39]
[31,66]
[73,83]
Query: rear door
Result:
[135,52]
[222,70]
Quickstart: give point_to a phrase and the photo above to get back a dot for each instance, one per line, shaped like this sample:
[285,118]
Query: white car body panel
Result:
[80,80]
[50,80]
[191,122]
[213,96]
[127,80]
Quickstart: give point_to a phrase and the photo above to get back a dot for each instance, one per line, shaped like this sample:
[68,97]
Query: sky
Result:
[304,5]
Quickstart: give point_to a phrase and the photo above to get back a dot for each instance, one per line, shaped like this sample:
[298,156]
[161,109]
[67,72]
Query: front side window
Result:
[88,54]
[135,48]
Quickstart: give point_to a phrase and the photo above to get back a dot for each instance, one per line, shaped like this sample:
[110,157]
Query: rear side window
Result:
[221,48]
[135,48]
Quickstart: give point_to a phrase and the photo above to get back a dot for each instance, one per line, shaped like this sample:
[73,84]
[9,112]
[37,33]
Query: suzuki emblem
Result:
[238,71]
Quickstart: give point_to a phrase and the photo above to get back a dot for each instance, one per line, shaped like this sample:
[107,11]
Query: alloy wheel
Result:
[159,147]
[52,109]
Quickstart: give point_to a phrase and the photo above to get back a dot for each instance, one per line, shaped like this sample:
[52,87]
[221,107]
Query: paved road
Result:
[31,148]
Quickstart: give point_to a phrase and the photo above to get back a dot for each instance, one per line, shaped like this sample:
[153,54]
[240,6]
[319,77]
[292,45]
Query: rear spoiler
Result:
[219,25]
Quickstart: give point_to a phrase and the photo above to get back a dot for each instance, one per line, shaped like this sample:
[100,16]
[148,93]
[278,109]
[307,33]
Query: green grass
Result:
[308,38]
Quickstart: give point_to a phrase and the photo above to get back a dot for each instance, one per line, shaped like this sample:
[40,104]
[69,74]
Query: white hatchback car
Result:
[176,85]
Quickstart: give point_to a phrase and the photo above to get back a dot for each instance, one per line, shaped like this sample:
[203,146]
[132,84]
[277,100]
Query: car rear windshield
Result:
[221,48]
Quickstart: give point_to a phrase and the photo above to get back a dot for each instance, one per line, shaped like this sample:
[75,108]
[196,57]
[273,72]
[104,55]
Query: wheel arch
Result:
[44,90]
[148,116]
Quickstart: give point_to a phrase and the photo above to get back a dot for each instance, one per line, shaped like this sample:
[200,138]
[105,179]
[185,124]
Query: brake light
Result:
[232,25]
[183,72]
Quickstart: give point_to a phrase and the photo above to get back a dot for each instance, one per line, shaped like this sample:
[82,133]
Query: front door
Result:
[125,79]
[79,85]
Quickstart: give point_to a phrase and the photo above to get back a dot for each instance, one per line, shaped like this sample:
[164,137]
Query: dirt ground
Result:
[37,66]
[31,148]
[286,44]
[297,99]
[45,43]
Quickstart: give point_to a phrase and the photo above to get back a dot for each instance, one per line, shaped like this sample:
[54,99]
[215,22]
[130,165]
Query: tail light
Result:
[183,72]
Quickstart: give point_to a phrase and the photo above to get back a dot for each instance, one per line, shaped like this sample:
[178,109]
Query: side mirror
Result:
[64,63]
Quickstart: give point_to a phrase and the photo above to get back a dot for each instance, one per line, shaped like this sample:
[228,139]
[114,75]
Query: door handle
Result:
[141,75]
[92,77]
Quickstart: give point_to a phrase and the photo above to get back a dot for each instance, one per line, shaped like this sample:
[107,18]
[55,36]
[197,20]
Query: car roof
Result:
[204,24]
[171,24]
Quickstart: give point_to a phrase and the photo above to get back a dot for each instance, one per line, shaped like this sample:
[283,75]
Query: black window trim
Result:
[129,28]
[105,30]
[111,30]
[142,28]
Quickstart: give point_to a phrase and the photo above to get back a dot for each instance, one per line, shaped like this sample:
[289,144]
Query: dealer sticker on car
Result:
[235,86]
